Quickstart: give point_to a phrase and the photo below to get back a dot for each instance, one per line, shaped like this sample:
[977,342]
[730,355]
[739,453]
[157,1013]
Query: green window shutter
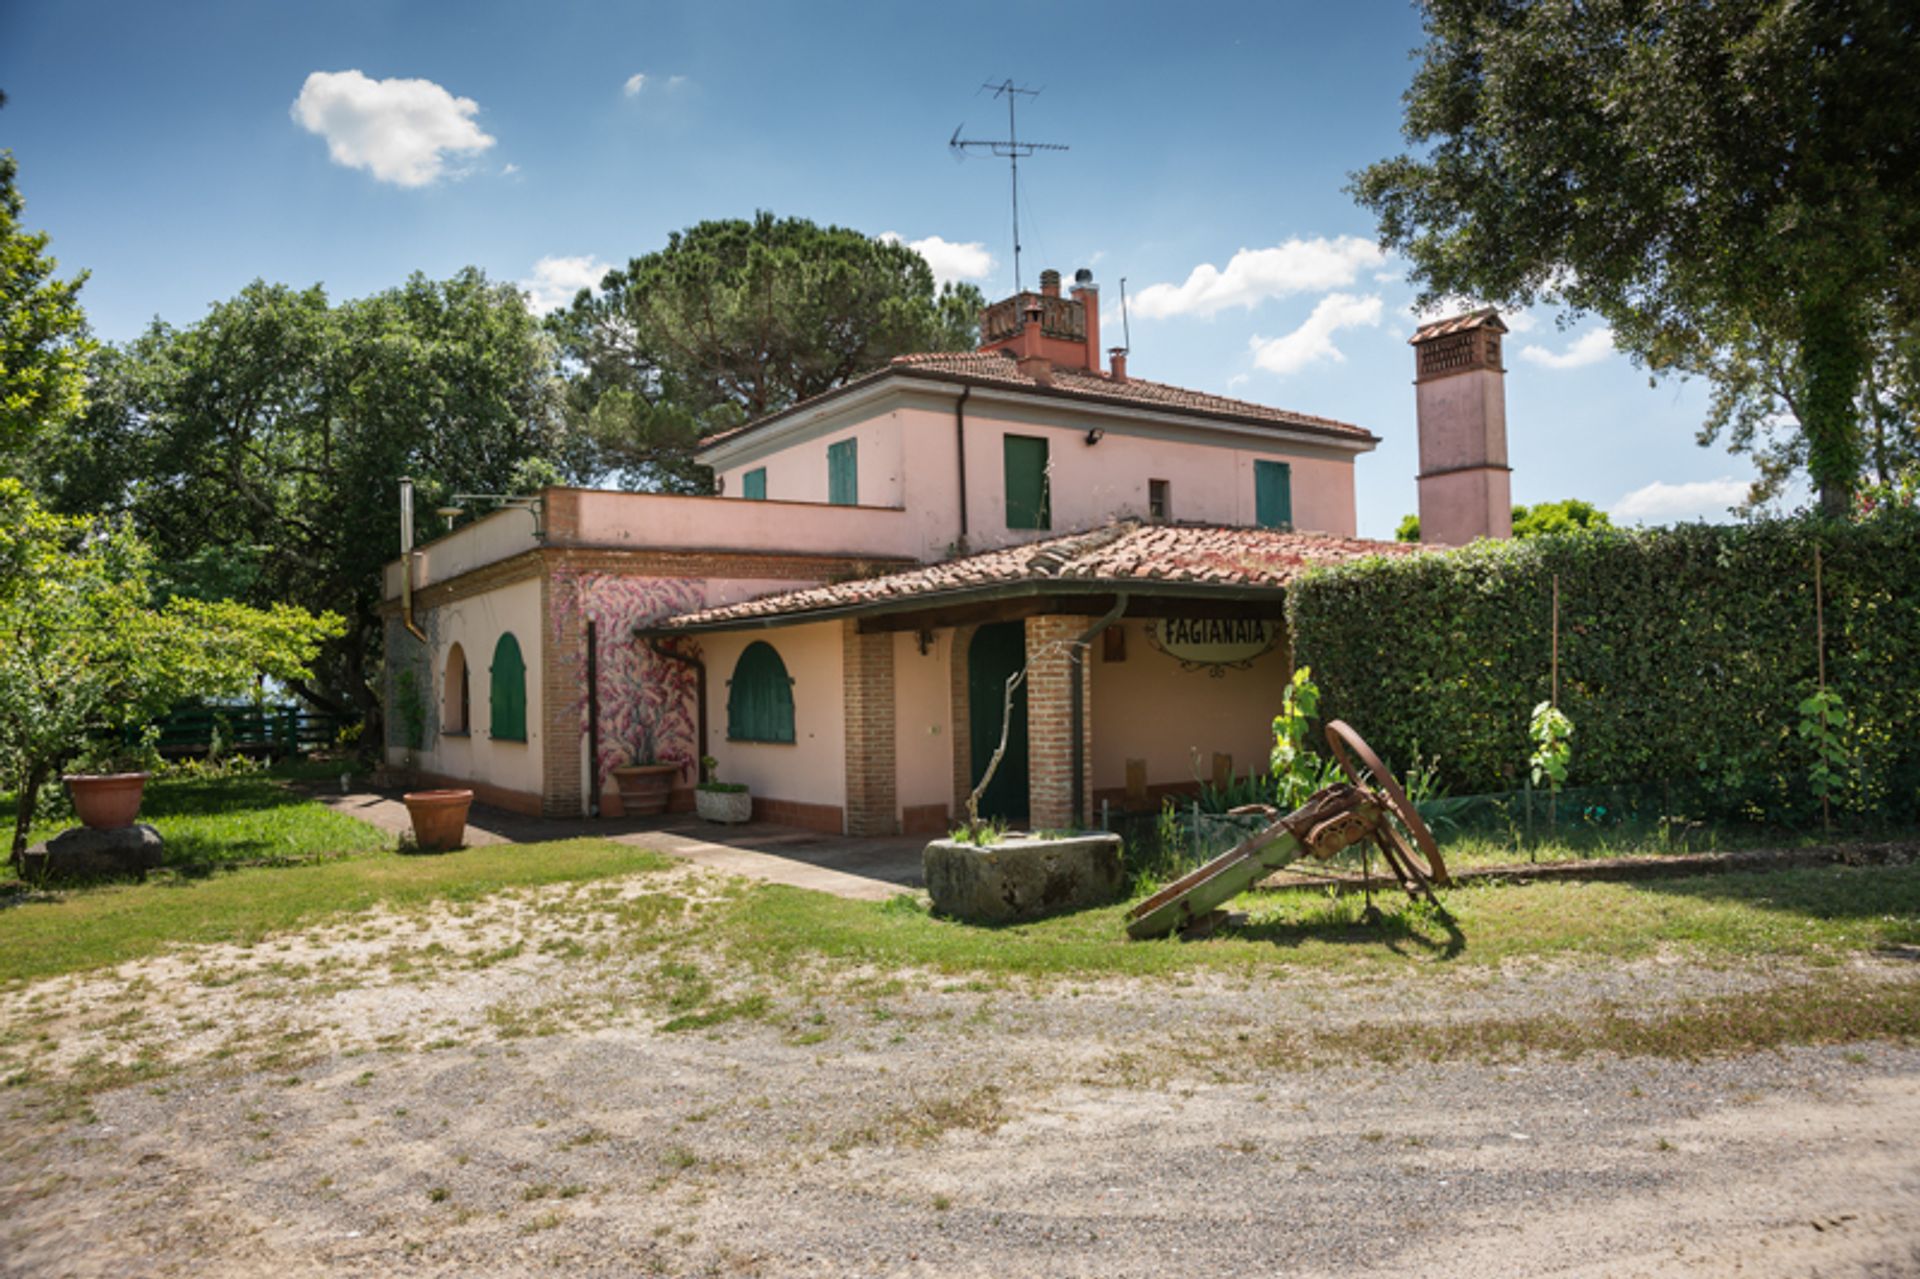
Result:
[760,697]
[753,485]
[1029,500]
[1273,494]
[843,473]
[507,696]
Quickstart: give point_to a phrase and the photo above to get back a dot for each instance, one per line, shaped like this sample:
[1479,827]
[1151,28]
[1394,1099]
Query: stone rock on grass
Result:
[85,853]
[1022,878]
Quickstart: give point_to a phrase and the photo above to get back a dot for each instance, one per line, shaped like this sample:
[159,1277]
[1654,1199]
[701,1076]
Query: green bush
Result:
[1685,654]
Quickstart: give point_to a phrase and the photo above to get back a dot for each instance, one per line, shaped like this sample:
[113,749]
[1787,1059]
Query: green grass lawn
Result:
[213,822]
[94,927]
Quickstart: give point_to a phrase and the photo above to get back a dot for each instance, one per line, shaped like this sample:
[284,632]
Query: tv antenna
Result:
[1011,148]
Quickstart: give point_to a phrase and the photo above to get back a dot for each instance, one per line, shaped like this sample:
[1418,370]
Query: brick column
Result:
[867,672]
[1049,723]
[562,669]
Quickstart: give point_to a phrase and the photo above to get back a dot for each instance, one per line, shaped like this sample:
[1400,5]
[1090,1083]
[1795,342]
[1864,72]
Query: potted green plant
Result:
[729,803]
[646,784]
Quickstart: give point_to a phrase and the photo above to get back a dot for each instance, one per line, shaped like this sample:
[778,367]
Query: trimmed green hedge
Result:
[1684,656]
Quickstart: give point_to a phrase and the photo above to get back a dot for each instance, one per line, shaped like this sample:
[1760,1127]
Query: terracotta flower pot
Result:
[439,818]
[645,788]
[106,801]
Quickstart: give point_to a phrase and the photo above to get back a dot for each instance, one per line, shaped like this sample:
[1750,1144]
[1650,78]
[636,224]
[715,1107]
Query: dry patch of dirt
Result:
[535,1084]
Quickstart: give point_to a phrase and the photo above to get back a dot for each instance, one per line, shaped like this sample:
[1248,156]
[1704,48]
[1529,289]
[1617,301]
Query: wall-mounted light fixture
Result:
[1095,435]
[535,506]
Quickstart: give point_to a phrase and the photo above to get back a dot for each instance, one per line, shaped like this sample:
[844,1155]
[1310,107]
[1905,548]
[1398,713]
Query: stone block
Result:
[86,853]
[1022,877]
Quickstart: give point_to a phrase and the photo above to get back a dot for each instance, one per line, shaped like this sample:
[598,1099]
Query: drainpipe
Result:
[657,646]
[593,717]
[406,558]
[960,442]
[1076,703]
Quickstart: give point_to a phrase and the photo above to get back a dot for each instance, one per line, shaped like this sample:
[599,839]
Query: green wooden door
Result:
[1273,494]
[843,473]
[998,651]
[1028,501]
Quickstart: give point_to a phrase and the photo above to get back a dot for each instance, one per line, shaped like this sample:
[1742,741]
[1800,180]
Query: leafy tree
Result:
[258,449]
[736,319]
[1567,516]
[43,332]
[1731,185]
[89,650]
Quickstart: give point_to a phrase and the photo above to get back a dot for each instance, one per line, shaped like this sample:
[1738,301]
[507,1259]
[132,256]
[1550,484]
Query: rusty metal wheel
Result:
[1415,860]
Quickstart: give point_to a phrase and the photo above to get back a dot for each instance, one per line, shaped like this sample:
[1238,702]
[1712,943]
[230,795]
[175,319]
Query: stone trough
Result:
[1022,876]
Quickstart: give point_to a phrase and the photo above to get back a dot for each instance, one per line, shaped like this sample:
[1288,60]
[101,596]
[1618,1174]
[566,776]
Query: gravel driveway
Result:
[476,1091]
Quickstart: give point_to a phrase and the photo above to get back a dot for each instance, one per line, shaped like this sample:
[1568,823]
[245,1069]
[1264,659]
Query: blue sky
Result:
[178,151]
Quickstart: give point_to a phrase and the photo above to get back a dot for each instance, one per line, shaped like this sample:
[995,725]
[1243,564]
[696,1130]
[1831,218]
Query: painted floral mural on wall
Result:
[640,692]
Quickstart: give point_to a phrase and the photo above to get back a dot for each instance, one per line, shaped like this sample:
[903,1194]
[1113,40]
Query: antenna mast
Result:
[1011,148]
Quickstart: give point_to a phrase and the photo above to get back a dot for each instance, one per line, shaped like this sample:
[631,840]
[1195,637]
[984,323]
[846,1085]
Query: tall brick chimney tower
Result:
[1466,488]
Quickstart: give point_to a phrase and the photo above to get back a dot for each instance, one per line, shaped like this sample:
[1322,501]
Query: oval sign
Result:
[1214,643]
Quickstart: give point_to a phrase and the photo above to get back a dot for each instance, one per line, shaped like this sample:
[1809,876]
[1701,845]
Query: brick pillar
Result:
[1049,723]
[562,669]
[867,670]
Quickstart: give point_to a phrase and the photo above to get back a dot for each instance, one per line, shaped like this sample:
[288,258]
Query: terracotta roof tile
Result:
[1208,555]
[1001,369]
[1486,317]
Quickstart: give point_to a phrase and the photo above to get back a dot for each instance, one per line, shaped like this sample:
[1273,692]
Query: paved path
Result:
[864,869]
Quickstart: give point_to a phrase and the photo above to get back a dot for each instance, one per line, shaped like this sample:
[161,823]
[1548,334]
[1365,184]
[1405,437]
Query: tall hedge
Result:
[1684,656]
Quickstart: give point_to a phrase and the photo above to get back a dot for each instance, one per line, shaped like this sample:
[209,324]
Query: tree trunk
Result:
[23,809]
[1833,364]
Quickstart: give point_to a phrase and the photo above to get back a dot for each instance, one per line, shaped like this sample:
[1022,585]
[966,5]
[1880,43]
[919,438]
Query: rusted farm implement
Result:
[1370,805]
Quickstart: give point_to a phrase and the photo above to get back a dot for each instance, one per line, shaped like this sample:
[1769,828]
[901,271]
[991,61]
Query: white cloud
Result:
[639,82]
[556,280]
[1254,275]
[508,170]
[1313,340]
[401,131]
[950,261]
[1588,348]
[1664,503]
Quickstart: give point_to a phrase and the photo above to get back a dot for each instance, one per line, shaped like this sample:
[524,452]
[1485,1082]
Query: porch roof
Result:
[1191,560]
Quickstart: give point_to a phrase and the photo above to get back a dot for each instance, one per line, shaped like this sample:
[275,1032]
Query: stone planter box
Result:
[1022,877]
[729,807]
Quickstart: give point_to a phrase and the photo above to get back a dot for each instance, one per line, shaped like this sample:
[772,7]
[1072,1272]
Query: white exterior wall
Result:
[923,720]
[813,769]
[476,624]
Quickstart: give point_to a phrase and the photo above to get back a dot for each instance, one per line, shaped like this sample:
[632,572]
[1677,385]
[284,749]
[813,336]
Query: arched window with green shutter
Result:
[760,697]
[507,697]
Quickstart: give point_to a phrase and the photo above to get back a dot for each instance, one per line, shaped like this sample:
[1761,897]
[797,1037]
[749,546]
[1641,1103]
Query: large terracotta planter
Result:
[439,818]
[645,788]
[106,801]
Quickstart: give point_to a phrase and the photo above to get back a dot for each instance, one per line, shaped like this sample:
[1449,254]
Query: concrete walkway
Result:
[863,869]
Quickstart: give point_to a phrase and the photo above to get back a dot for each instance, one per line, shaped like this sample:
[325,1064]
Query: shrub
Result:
[1684,656]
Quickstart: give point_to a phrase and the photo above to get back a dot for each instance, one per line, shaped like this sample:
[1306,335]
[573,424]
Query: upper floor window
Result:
[843,473]
[760,697]
[753,485]
[507,693]
[1029,497]
[458,694]
[1159,501]
[1273,494]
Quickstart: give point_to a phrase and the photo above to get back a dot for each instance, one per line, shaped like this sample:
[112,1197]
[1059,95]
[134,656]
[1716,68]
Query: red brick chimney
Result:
[1033,361]
[1117,362]
[1087,294]
[1050,283]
